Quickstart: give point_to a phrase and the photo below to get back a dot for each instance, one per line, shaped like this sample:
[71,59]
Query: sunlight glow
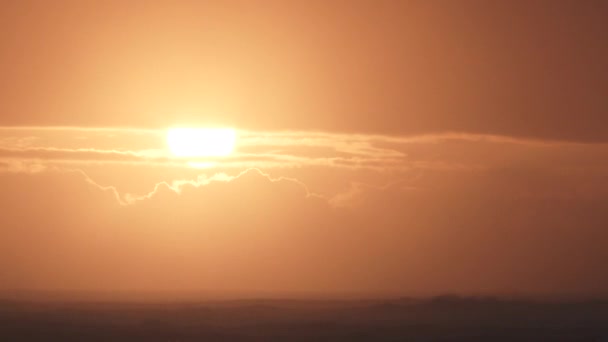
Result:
[201,142]
[202,165]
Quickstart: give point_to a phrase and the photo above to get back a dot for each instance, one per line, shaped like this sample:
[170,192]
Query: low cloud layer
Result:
[302,212]
[254,233]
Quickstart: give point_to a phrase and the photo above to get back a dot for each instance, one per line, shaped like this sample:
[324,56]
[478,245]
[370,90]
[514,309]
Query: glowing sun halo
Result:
[201,142]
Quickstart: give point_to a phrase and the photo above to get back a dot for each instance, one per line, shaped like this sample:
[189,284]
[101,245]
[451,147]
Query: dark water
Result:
[444,318]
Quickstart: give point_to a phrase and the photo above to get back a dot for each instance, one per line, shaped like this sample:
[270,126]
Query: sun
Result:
[201,142]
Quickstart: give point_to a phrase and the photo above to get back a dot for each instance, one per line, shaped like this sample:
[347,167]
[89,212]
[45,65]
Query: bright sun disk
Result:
[201,142]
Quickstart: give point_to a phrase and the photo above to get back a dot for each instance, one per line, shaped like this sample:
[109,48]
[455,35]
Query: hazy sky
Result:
[403,147]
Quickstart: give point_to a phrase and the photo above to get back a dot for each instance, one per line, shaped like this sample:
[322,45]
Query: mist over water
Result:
[440,318]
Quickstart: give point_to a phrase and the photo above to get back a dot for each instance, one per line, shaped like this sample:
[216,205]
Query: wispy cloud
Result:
[287,149]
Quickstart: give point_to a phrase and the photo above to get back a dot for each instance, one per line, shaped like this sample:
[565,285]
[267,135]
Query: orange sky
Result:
[387,147]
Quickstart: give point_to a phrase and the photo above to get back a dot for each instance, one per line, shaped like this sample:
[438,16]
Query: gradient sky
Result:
[402,147]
